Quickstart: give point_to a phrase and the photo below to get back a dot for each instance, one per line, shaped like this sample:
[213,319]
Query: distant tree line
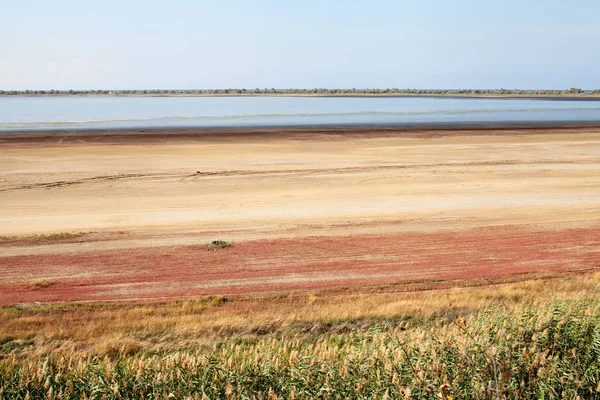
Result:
[315,91]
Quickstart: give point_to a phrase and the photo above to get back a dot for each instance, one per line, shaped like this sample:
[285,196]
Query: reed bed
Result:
[544,345]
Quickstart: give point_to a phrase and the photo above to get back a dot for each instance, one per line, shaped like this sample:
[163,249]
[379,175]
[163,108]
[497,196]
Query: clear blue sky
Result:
[136,44]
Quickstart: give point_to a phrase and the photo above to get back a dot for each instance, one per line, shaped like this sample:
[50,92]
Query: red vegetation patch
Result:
[415,260]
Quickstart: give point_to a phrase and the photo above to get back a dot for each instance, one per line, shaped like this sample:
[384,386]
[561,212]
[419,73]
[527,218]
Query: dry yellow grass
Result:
[128,328]
[51,237]
[41,283]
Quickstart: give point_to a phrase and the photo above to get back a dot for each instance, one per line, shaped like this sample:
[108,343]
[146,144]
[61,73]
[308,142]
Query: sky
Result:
[195,44]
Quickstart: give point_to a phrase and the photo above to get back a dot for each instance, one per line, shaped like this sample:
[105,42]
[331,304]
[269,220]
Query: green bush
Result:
[220,244]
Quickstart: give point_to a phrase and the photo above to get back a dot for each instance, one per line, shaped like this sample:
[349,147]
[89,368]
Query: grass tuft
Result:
[41,284]
[61,236]
[51,237]
[11,345]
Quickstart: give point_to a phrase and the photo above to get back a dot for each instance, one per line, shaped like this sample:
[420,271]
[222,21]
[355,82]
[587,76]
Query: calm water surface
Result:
[42,113]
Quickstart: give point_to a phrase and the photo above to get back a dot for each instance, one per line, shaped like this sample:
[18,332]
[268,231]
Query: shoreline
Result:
[288,132]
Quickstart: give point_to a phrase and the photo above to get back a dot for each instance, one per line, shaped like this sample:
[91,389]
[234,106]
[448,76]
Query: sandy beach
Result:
[305,208]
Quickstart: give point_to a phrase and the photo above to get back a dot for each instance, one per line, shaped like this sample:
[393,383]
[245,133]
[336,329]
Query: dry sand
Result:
[174,190]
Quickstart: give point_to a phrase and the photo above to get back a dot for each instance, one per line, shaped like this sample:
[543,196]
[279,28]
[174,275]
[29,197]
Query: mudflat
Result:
[88,216]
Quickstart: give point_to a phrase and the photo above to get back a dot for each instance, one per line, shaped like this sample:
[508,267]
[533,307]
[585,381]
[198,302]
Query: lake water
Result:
[70,113]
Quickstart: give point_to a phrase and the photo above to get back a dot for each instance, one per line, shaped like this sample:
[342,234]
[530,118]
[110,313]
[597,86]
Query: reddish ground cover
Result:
[403,261]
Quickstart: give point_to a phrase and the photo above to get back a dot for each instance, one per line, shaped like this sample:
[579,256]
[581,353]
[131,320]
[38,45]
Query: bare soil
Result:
[318,208]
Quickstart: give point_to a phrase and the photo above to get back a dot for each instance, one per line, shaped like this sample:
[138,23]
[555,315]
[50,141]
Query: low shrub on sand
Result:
[220,244]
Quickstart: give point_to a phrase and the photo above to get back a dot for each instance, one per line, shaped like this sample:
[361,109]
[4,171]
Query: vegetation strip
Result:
[514,341]
[315,92]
